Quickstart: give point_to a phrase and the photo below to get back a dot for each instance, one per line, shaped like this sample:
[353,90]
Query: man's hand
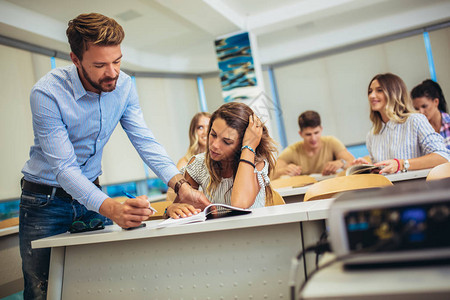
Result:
[359,161]
[129,214]
[191,196]
[332,166]
[292,170]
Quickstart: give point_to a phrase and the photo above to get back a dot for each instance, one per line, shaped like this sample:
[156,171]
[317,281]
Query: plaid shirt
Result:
[445,128]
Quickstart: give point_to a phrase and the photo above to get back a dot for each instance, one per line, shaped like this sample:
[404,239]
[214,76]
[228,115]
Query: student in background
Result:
[235,168]
[400,139]
[75,110]
[315,154]
[198,133]
[429,100]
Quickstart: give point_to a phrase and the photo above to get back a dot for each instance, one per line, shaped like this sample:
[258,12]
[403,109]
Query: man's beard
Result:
[98,86]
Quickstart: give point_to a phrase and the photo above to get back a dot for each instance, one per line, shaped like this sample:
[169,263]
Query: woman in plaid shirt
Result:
[429,100]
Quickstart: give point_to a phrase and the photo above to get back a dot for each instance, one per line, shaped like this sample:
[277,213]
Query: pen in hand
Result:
[132,197]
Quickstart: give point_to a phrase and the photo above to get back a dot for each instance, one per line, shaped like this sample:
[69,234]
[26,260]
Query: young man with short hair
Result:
[315,154]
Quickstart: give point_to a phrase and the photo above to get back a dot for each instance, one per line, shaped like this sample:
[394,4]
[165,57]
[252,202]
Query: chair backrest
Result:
[276,199]
[439,172]
[293,181]
[329,187]
[9,222]
[160,206]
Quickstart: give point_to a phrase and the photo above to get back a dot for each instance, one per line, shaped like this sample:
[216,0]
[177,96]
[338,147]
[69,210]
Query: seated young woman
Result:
[198,131]
[400,139]
[235,168]
[429,100]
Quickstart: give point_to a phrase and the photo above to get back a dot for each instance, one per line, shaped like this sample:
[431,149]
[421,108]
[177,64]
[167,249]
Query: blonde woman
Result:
[198,132]
[400,139]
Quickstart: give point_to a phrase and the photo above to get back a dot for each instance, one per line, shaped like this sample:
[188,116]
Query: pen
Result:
[132,197]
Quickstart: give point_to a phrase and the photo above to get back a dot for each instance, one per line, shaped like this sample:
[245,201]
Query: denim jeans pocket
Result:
[34,200]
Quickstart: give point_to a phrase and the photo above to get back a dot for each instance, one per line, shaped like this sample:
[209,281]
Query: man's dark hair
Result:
[309,118]
[93,28]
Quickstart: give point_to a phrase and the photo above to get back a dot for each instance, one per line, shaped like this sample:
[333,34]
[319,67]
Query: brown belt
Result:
[48,189]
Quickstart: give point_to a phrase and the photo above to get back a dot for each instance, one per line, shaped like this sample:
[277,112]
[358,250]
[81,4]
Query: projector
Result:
[402,223]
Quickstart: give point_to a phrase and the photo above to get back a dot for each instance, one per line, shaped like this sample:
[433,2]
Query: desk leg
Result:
[311,232]
[56,273]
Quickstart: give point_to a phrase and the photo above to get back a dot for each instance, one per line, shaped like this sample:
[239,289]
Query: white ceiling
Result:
[178,35]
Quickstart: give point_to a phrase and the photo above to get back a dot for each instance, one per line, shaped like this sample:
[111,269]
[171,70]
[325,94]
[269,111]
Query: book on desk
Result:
[212,211]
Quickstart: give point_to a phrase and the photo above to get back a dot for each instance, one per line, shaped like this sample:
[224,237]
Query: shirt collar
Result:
[78,89]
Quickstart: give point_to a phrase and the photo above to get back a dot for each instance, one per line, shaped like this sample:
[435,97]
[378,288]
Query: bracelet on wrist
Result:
[179,184]
[249,148]
[248,162]
[398,165]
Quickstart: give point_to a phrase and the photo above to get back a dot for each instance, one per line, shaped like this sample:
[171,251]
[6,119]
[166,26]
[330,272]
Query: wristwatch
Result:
[405,166]
[179,184]
[344,162]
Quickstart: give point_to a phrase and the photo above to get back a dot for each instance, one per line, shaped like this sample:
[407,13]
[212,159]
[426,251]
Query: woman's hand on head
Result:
[253,133]
[181,210]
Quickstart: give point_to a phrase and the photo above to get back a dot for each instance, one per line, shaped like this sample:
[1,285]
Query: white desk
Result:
[406,283]
[410,175]
[293,194]
[245,257]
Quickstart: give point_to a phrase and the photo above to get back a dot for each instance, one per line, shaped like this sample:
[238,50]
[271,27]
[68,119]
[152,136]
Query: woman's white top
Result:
[222,194]
[414,138]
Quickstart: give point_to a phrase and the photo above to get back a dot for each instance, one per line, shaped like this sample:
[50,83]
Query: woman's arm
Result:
[424,162]
[246,186]
[182,163]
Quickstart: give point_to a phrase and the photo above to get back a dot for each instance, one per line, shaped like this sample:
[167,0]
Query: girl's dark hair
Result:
[430,89]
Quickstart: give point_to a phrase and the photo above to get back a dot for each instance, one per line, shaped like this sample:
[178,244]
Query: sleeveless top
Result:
[222,194]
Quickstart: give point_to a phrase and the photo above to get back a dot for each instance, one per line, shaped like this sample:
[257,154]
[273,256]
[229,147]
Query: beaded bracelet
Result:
[249,148]
[248,162]
[398,165]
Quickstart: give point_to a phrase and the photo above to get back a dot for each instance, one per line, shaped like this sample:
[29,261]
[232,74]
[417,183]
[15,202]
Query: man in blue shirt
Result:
[75,110]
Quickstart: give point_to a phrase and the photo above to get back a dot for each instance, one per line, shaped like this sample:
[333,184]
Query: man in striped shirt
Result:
[75,110]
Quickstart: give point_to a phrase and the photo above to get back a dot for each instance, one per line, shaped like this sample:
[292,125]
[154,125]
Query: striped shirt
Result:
[445,128]
[222,194]
[71,127]
[414,138]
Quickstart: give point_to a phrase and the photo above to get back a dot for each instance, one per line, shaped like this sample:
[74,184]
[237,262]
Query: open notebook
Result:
[214,210]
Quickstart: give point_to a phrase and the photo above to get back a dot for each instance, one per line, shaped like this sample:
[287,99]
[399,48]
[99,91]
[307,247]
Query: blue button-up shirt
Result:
[71,127]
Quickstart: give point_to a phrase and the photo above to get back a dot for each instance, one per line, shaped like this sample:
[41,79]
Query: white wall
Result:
[16,80]
[335,86]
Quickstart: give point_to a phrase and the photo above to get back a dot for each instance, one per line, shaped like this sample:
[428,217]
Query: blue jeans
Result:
[42,216]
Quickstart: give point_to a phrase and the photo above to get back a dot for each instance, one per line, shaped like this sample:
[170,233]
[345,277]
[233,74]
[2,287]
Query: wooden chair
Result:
[328,188]
[277,199]
[160,206]
[292,181]
[439,172]
[9,222]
